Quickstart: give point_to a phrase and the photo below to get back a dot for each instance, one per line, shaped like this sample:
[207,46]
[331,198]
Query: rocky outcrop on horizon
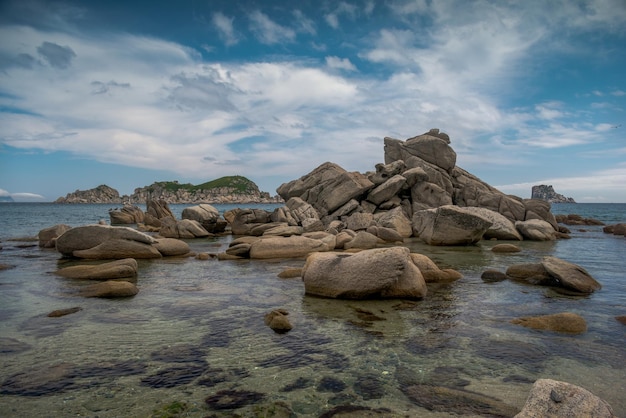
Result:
[100,194]
[547,193]
[226,190]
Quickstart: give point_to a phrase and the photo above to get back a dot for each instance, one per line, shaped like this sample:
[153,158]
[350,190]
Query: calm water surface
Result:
[196,331]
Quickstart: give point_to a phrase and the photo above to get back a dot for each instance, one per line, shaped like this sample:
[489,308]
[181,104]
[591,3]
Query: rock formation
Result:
[548,194]
[410,193]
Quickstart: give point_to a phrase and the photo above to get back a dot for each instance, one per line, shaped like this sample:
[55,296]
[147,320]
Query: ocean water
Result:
[194,336]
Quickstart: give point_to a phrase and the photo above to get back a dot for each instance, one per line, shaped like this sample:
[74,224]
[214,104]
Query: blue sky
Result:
[127,93]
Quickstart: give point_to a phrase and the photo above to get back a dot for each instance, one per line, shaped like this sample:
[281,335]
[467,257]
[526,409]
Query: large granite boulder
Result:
[183,229]
[376,273]
[119,269]
[242,221]
[207,216]
[429,148]
[301,211]
[48,236]
[159,209]
[386,190]
[171,247]
[326,188]
[386,171]
[397,220]
[129,214]
[114,249]
[551,398]
[286,247]
[449,225]
[89,236]
[501,227]
[536,230]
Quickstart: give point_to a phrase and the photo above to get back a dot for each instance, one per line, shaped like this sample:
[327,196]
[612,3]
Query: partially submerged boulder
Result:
[89,236]
[570,276]
[119,269]
[375,273]
[551,398]
[119,248]
[552,271]
[109,289]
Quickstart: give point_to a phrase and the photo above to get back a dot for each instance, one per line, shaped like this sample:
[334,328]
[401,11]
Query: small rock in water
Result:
[233,399]
[493,276]
[330,384]
[62,312]
[278,321]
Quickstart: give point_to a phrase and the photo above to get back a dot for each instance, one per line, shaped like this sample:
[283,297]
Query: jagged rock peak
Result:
[547,193]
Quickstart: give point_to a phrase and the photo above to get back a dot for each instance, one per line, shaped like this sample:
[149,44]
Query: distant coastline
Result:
[227,190]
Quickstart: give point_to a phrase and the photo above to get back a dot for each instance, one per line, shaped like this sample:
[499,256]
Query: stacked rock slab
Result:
[419,174]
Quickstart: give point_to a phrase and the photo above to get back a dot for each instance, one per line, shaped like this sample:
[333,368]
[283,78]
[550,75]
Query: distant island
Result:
[548,194]
[6,199]
[229,189]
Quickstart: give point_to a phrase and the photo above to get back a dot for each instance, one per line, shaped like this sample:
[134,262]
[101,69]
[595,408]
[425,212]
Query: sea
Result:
[193,342]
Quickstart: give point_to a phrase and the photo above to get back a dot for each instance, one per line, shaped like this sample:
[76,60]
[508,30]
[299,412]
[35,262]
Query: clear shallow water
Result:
[196,330]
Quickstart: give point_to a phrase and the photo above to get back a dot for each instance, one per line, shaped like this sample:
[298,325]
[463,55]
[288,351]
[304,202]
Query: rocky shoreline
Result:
[348,229]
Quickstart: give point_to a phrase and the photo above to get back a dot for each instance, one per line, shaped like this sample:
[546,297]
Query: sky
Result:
[126,93]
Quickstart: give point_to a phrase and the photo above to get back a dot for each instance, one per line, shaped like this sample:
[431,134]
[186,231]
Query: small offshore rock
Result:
[621,319]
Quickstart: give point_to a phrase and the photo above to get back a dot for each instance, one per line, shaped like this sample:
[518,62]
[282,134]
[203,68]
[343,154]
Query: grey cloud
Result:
[57,56]
[201,92]
[21,60]
[100,88]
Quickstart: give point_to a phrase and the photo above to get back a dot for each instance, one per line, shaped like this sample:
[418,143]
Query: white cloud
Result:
[304,24]
[344,9]
[225,28]
[339,63]
[269,32]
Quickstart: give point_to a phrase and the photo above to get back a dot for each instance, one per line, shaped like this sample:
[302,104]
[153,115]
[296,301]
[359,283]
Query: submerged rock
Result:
[566,322]
[458,401]
[62,312]
[233,399]
[551,398]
